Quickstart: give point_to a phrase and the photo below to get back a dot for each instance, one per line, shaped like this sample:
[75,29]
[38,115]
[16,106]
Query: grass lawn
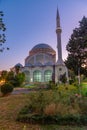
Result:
[10,107]
[84,84]
[30,86]
[84,88]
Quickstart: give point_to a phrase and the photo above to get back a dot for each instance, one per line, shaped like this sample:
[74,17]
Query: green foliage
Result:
[6,88]
[27,109]
[84,89]
[15,80]
[17,69]
[61,106]
[55,119]
[63,78]
[77,48]
[30,86]
[19,79]
[2,35]
[72,76]
[4,74]
[51,85]
[38,102]
[10,77]
[68,89]
[61,127]
[85,79]
[83,106]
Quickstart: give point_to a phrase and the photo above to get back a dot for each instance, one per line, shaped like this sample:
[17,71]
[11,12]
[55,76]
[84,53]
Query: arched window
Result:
[37,76]
[27,76]
[47,75]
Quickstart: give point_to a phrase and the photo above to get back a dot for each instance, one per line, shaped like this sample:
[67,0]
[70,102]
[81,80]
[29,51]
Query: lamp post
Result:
[79,79]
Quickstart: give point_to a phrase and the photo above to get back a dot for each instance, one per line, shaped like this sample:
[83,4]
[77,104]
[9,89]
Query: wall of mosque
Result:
[38,74]
[40,58]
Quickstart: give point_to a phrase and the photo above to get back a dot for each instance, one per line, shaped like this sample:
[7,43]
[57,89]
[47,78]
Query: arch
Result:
[27,76]
[37,76]
[47,75]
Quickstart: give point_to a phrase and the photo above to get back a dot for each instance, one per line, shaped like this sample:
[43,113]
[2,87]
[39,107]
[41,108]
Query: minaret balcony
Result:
[58,29]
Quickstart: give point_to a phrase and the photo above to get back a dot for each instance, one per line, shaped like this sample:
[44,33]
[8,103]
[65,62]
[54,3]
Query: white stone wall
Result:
[60,70]
[41,69]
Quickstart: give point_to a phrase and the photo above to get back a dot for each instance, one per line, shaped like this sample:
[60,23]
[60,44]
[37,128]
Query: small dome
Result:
[18,64]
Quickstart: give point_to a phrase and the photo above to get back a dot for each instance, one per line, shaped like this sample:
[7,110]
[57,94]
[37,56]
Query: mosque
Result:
[41,65]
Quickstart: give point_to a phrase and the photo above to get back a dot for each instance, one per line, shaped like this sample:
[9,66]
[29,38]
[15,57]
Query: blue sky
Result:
[30,22]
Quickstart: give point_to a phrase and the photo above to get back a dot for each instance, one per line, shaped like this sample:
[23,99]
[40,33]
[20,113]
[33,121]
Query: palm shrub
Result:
[6,88]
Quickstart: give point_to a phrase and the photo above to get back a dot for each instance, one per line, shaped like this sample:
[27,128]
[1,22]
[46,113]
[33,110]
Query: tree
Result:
[15,80]
[63,78]
[4,74]
[2,30]
[17,68]
[77,49]
[19,79]
[6,88]
[10,77]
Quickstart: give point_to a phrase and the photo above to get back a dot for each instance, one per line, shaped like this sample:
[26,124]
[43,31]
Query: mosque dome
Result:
[41,48]
[41,54]
[42,45]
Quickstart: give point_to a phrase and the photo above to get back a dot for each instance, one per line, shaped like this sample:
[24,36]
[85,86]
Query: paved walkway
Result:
[20,91]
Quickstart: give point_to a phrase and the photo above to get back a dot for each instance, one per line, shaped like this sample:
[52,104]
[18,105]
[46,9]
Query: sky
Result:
[30,22]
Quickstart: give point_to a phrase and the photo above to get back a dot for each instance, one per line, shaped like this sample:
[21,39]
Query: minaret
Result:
[60,68]
[58,32]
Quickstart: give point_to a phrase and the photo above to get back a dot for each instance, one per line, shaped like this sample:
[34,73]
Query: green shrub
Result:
[26,109]
[61,106]
[71,81]
[51,85]
[37,102]
[55,119]
[63,78]
[83,106]
[6,88]
[85,79]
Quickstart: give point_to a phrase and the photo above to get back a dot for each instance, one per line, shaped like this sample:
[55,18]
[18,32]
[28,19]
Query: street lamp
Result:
[79,79]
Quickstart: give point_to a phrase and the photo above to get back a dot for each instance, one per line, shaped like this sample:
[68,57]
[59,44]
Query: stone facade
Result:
[39,64]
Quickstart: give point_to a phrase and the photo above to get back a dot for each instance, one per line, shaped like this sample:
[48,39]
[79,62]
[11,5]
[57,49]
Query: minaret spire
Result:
[58,32]
[58,18]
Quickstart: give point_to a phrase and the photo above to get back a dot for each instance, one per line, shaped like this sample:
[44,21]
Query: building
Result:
[40,64]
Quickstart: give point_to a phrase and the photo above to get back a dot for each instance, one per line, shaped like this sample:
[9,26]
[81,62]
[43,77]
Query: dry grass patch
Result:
[9,108]
[50,109]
